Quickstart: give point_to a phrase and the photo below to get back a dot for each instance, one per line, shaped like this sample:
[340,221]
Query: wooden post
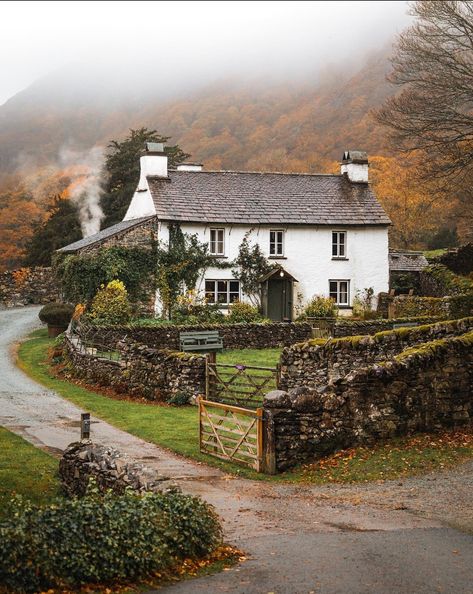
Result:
[260,440]
[199,404]
[85,426]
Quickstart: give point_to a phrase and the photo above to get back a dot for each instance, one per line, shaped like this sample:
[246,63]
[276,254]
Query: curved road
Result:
[373,538]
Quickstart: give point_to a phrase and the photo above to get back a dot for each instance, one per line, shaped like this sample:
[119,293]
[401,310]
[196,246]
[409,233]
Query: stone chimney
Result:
[355,166]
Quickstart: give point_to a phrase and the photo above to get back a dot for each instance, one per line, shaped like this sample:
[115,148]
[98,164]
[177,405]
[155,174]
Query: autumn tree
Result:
[416,214]
[122,170]
[432,112]
[60,228]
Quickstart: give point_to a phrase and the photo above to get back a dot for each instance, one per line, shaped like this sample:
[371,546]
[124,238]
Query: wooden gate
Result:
[231,433]
[240,385]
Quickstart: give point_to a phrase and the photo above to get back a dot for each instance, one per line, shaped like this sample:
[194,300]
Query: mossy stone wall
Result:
[420,389]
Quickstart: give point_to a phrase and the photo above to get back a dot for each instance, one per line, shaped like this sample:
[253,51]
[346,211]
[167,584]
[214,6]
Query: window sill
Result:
[344,306]
[217,257]
[277,258]
[339,258]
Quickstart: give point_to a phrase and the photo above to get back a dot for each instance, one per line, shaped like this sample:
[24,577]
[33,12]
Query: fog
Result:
[126,47]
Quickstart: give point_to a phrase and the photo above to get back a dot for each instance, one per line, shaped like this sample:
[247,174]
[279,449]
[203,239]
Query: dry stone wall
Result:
[318,362]
[235,336]
[28,286]
[141,372]
[423,388]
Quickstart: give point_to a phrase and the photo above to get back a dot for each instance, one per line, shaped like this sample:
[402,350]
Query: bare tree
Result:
[433,111]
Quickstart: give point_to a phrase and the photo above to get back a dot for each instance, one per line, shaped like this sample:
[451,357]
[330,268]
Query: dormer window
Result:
[217,242]
[339,244]
[276,243]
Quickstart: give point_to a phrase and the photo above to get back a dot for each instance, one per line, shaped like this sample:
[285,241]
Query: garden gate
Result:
[232,424]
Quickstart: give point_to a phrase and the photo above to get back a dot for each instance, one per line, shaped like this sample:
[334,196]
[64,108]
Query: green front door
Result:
[279,299]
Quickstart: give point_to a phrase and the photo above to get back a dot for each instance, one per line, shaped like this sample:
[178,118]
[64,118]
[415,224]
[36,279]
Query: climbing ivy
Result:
[81,275]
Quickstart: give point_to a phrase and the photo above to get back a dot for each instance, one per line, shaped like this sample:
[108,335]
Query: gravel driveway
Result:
[408,536]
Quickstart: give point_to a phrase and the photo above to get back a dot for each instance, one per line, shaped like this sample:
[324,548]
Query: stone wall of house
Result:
[82,461]
[141,372]
[235,336]
[140,236]
[28,286]
[317,362]
[420,389]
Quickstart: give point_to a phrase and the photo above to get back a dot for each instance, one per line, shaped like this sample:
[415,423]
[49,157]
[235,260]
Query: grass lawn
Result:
[256,357]
[435,253]
[176,428]
[26,470]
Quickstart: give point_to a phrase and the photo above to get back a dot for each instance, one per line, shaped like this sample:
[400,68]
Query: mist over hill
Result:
[233,124]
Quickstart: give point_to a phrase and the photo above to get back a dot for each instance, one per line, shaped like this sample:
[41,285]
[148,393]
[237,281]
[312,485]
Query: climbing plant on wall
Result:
[180,264]
[81,275]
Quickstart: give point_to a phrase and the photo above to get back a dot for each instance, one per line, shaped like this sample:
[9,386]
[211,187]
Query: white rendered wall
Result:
[308,256]
[142,204]
[357,172]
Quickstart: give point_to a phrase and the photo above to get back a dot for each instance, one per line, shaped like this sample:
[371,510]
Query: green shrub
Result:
[57,314]
[193,308]
[101,538]
[179,399]
[110,305]
[243,312]
[320,307]
[438,281]
[363,305]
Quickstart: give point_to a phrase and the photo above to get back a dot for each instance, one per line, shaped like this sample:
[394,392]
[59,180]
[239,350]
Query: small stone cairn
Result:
[111,470]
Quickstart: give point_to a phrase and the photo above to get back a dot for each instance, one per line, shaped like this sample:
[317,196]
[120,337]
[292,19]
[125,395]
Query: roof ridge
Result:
[308,174]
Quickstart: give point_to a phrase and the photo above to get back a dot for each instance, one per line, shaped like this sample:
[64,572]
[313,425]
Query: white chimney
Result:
[154,161]
[355,165]
[189,167]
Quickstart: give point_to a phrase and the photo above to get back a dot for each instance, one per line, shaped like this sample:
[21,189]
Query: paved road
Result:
[381,538]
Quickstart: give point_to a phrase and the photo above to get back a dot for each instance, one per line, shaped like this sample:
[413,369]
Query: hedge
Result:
[99,539]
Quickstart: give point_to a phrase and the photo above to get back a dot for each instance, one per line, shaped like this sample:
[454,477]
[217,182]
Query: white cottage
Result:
[327,234]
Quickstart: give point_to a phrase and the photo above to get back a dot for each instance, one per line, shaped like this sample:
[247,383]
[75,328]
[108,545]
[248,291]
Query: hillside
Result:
[233,125]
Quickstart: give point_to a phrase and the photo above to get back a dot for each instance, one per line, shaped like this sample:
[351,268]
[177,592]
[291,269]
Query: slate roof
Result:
[264,198]
[402,261]
[101,235]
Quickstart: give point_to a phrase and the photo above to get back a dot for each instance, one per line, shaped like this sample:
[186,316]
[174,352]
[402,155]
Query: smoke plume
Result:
[85,192]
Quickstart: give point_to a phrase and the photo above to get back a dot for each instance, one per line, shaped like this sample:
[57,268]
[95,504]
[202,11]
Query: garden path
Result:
[380,538]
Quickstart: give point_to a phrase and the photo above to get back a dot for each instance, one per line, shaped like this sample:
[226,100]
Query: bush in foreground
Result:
[101,538]
[56,314]
[111,304]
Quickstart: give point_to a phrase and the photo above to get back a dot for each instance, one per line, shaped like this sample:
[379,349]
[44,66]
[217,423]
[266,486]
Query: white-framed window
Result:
[217,242]
[339,244]
[276,242]
[222,292]
[339,290]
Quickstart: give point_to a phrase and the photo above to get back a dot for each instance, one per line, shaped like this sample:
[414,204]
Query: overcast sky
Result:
[188,39]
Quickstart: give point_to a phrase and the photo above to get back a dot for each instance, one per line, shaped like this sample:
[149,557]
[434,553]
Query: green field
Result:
[26,470]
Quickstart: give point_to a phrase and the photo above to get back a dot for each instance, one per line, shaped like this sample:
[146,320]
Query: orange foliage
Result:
[415,209]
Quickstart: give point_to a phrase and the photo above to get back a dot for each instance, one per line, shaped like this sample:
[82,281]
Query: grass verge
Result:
[176,428]
[26,470]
